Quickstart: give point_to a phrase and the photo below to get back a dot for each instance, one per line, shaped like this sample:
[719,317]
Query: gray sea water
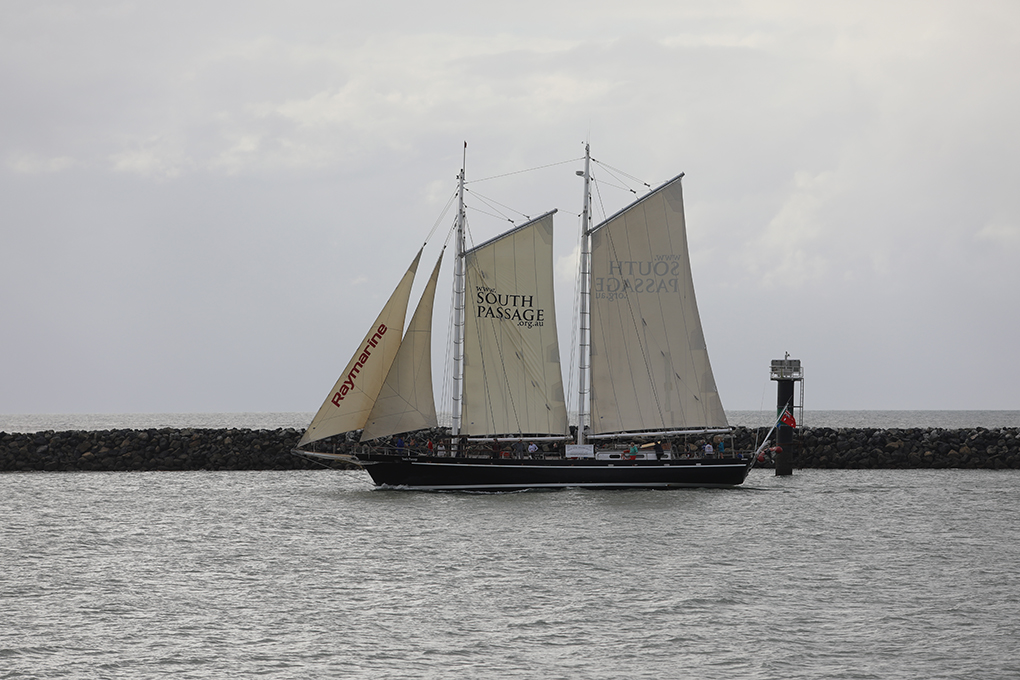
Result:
[298,574]
[295,574]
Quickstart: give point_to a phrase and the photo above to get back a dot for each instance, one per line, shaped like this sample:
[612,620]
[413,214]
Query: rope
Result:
[611,170]
[519,172]
[312,459]
[469,207]
[491,202]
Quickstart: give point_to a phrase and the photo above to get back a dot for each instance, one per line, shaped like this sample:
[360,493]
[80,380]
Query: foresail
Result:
[649,362]
[512,378]
[406,401]
[350,402]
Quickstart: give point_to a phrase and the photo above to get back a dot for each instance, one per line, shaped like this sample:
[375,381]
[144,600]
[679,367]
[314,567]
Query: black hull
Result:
[479,474]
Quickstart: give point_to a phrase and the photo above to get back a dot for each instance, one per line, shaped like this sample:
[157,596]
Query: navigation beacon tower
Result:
[786,372]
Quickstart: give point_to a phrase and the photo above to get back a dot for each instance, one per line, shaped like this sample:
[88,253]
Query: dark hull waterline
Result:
[471,474]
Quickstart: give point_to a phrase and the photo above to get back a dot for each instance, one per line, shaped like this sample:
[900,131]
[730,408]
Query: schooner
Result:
[645,380]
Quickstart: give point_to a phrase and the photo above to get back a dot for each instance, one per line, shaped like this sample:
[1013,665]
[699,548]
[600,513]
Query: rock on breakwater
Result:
[154,449]
[901,448]
[243,449]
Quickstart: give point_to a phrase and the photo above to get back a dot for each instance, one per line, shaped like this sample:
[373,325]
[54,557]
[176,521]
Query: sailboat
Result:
[649,411]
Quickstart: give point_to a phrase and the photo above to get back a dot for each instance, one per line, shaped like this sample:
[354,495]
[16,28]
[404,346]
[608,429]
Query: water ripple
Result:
[836,574]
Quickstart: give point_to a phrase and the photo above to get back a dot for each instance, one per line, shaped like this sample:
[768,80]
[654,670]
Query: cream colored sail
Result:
[649,362]
[512,378]
[406,402]
[350,402]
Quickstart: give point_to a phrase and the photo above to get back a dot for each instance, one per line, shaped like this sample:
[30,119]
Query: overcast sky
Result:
[204,204]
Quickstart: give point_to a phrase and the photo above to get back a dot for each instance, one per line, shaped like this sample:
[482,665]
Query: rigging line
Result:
[453,226]
[675,377]
[446,394]
[621,187]
[519,172]
[611,169]
[492,202]
[506,383]
[692,321]
[577,354]
[468,237]
[484,361]
[632,304]
[312,459]
[668,347]
[489,214]
[639,332]
[573,372]
[761,406]
[439,220]
[598,191]
[452,232]
[518,348]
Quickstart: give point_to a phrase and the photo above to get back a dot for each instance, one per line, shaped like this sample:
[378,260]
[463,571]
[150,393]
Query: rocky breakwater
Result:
[156,449]
[910,448]
[234,449]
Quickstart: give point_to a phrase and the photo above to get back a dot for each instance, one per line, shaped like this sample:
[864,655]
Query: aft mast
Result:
[584,304]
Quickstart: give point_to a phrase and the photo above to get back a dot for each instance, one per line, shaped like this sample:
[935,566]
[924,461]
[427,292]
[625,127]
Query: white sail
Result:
[649,362]
[512,378]
[350,402]
[406,402]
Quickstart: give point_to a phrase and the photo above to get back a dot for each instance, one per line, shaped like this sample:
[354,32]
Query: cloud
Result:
[1001,235]
[34,164]
[158,157]
[787,252]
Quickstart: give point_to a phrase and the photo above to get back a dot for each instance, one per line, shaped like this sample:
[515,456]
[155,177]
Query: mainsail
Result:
[649,363]
[406,402]
[350,402]
[512,378]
